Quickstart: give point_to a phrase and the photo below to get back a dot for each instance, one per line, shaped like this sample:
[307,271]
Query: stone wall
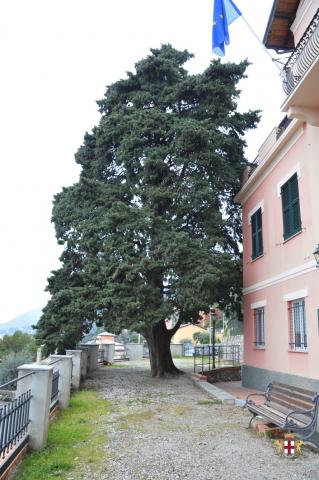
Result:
[225,374]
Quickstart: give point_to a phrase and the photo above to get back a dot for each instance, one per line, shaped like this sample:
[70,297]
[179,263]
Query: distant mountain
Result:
[23,322]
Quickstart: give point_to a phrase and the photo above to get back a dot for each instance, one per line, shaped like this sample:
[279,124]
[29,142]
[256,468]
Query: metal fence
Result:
[188,350]
[207,357]
[55,389]
[55,385]
[101,356]
[14,418]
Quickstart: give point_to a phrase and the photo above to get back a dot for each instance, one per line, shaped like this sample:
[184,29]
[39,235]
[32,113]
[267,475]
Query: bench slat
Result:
[276,418]
[309,393]
[290,403]
[304,398]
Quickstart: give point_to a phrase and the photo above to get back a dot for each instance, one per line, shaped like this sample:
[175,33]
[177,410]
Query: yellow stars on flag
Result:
[215,23]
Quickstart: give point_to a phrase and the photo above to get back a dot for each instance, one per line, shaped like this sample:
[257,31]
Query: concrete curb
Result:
[215,392]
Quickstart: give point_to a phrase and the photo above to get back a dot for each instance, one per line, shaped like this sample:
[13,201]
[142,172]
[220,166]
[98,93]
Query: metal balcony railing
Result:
[302,57]
[282,126]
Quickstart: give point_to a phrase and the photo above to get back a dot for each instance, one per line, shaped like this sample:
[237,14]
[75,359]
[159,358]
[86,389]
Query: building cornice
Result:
[282,277]
[300,15]
[282,146]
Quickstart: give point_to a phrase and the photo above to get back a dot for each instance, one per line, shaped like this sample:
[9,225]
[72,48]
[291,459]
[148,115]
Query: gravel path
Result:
[168,429]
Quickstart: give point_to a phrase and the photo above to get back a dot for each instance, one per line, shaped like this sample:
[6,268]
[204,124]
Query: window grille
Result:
[259,314]
[298,335]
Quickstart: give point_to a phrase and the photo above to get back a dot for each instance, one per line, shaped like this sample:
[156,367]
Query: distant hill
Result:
[23,322]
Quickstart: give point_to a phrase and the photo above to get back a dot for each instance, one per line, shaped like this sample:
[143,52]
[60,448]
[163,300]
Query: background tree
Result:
[18,342]
[10,363]
[201,337]
[15,350]
[151,229]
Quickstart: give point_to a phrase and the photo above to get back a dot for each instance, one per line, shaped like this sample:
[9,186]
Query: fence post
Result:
[65,376]
[93,356]
[84,363]
[41,387]
[108,349]
[76,370]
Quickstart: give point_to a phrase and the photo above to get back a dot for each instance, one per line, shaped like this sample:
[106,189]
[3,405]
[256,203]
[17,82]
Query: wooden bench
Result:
[291,408]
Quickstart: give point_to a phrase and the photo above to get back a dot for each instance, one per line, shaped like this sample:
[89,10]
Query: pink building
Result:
[280,203]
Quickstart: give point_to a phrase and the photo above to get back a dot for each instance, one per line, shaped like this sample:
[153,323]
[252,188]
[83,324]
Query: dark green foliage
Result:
[151,229]
[8,366]
[201,337]
[17,342]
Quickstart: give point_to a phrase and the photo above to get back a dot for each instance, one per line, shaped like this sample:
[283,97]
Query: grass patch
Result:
[183,357]
[115,365]
[182,410]
[139,401]
[209,402]
[135,419]
[76,438]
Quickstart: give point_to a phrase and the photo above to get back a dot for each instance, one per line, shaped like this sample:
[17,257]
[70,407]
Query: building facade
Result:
[280,205]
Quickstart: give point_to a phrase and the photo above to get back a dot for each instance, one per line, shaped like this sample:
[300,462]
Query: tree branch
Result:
[173,330]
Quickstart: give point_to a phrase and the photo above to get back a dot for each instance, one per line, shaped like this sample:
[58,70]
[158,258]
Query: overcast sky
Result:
[56,59]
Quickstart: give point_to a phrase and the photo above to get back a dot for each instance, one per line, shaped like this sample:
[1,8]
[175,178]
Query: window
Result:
[298,336]
[290,207]
[259,314]
[257,234]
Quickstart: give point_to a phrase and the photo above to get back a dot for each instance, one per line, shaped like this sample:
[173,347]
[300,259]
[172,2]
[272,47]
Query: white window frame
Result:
[259,326]
[297,317]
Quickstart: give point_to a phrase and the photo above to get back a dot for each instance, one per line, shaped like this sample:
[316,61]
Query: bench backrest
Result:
[287,397]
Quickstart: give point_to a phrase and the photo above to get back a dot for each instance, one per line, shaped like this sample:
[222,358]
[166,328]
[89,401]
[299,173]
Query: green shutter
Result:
[290,207]
[256,234]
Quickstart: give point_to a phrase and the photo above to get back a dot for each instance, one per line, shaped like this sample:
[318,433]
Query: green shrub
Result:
[201,337]
[8,367]
[16,343]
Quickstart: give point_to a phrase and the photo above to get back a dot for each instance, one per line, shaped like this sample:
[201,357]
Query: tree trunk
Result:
[159,340]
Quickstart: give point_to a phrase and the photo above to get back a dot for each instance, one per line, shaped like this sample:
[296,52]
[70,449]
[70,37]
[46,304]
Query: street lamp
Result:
[316,254]
[213,316]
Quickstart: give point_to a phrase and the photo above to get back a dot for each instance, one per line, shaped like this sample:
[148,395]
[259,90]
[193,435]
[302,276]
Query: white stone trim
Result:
[255,209]
[295,295]
[300,14]
[260,304]
[277,153]
[294,272]
[295,169]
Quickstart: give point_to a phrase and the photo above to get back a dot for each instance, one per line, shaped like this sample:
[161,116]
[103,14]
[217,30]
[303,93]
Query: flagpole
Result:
[261,43]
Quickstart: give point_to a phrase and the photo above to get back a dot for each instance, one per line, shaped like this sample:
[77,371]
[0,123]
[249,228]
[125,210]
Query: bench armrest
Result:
[316,398]
[248,401]
[310,412]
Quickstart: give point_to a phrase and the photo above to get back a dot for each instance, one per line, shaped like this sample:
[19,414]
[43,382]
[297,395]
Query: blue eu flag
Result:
[225,13]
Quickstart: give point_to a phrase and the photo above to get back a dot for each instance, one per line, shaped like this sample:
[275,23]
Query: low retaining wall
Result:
[225,374]
[259,378]
[177,349]
[134,351]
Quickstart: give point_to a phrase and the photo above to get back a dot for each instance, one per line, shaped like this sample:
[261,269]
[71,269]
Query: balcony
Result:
[301,72]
